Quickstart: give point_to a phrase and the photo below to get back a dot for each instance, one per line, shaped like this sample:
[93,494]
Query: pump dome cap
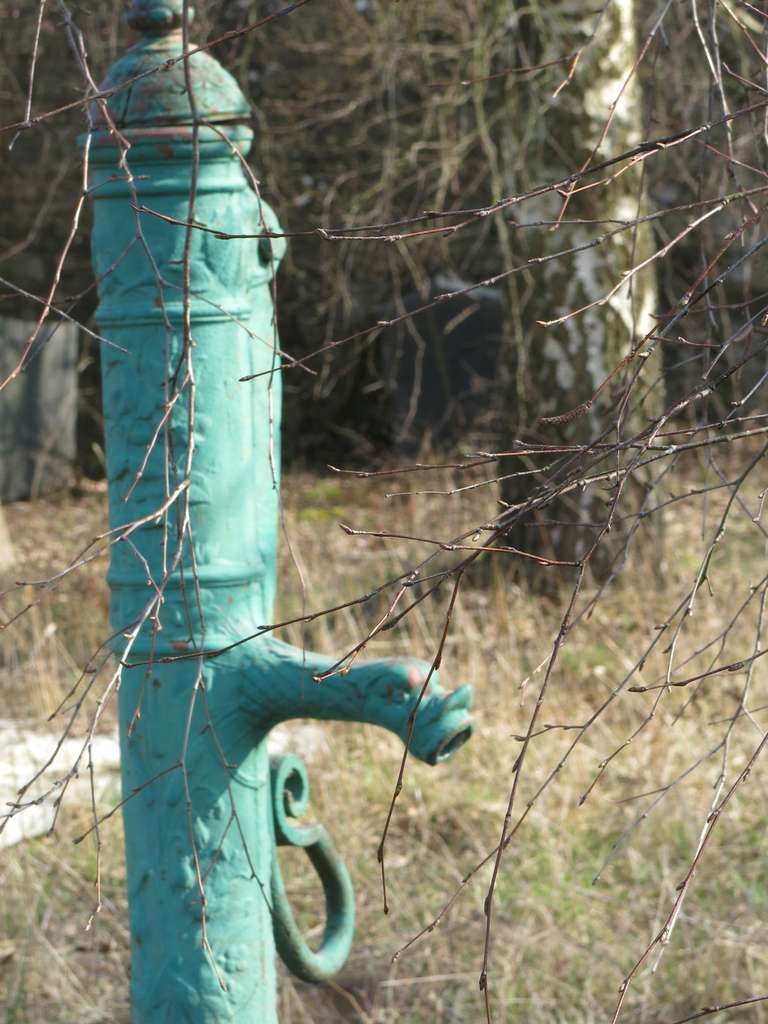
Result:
[149,84]
[156,15]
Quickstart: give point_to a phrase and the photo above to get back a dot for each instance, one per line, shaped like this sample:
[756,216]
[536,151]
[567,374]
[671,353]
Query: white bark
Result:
[560,366]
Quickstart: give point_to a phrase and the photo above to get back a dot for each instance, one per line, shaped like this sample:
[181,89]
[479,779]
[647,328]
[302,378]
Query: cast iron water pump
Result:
[193,464]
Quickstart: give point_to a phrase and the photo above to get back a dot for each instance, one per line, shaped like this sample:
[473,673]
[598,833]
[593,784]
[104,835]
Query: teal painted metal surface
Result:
[220,817]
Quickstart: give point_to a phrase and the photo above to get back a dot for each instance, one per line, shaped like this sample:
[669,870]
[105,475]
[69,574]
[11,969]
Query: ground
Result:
[561,943]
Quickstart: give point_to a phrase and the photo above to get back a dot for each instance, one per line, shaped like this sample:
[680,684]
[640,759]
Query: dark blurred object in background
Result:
[441,370]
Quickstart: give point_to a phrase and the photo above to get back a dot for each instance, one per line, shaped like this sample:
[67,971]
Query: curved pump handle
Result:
[290,795]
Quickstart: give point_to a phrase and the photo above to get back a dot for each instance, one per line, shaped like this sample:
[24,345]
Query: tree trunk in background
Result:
[38,410]
[556,368]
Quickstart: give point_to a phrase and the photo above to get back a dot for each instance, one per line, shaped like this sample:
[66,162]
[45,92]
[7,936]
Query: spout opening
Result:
[451,744]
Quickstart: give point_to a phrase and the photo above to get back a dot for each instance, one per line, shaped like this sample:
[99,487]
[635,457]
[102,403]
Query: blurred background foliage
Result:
[367,112]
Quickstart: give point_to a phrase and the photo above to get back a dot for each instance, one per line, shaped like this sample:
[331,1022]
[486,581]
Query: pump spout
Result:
[286,682]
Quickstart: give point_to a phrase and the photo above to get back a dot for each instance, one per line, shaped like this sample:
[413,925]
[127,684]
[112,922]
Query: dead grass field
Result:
[561,944]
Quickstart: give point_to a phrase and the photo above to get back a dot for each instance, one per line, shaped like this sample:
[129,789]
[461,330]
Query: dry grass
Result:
[561,945]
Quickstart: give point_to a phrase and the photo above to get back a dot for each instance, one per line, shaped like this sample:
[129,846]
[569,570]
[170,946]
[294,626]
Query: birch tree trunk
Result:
[7,556]
[558,367]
